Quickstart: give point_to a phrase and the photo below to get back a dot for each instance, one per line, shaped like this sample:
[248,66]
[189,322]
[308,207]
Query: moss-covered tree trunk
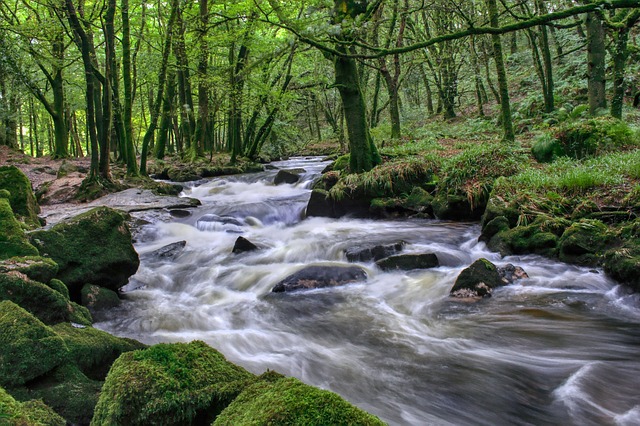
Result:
[595,63]
[130,152]
[203,87]
[620,55]
[503,88]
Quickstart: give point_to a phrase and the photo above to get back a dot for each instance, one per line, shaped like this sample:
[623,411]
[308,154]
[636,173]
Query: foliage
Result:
[595,136]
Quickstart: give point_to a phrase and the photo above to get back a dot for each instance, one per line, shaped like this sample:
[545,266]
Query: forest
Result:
[319,212]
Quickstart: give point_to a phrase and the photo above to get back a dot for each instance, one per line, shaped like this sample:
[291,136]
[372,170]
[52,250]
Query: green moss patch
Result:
[12,239]
[278,400]
[22,200]
[168,384]
[30,413]
[35,267]
[98,298]
[28,348]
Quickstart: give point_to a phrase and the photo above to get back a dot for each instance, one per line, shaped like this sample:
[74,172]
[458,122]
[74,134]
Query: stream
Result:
[561,347]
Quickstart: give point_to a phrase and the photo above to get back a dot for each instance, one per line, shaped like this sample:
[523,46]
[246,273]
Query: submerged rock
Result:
[243,245]
[288,176]
[477,281]
[319,276]
[168,252]
[169,384]
[214,222]
[277,400]
[359,254]
[94,247]
[409,261]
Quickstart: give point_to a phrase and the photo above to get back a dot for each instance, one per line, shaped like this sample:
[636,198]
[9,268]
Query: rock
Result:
[455,207]
[97,298]
[60,287]
[359,254]
[478,280]
[67,167]
[288,176]
[168,252]
[28,348]
[169,384]
[35,267]
[277,400]
[93,351]
[322,205]
[213,222]
[510,273]
[243,245]
[584,242]
[491,228]
[179,213]
[408,261]
[27,413]
[94,247]
[47,304]
[13,241]
[22,200]
[319,276]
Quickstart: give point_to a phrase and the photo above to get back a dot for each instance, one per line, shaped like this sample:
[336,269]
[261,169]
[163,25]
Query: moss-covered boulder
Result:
[94,247]
[35,267]
[28,348]
[623,262]
[455,207]
[97,298]
[169,384]
[584,242]
[93,351]
[47,304]
[278,400]
[13,241]
[60,287]
[22,200]
[478,280]
[540,237]
[30,413]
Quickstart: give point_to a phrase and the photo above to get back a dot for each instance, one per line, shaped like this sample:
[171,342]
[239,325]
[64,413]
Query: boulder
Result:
[97,298]
[478,280]
[23,201]
[67,167]
[169,384]
[277,400]
[243,245]
[28,348]
[360,254]
[27,413]
[60,287]
[35,267]
[584,242]
[455,207]
[319,276]
[13,241]
[288,176]
[94,247]
[48,305]
[322,205]
[168,252]
[408,261]
[510,273]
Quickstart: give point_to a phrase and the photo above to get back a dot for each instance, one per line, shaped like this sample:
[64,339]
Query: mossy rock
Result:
[68,392]
[22,200]
[530,239]
[584,242]
[98,298]
[455,207]
[494,226]
[497,207]
[169,384]
[94,247]
[13,241]
[93,351]
[35,267]
[478,280]
[49,305]
[29,413]
[28,348]
[278,400]
[623,264]
[60,287]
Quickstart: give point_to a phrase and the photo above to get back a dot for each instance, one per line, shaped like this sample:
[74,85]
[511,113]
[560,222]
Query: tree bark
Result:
[595,63]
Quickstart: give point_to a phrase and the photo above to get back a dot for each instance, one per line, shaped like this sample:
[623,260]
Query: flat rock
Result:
[167,252]
[319,276]
[407,262]
[360,254]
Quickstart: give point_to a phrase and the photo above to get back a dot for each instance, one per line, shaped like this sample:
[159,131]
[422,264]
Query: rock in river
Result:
[478,280]
[319,276]
[360,254]
[408,261]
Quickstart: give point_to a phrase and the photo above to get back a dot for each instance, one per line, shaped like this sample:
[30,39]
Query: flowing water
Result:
[562,347]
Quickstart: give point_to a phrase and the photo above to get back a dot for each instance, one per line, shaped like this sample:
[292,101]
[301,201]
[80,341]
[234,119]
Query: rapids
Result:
[562,347]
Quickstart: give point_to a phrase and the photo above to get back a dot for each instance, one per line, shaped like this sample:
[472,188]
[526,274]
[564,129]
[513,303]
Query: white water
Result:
[562,347]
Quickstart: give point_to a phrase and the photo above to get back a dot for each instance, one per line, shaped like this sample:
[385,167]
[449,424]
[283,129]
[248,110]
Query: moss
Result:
[35,267]
[168,384]
[28,348]
[496,207]
[579,139]
[584,242]
[22,200]
[30,413]
[60,287]
[277,400]
[494,226]
[480,278]
[98,298]
[93,350]
[623,262]
[530,239]
[547,149]
[12,239]
[94,247]
[342,163]
[50,306]
[69,393]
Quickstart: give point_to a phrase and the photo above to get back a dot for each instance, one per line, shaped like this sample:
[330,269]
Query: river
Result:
[561,347]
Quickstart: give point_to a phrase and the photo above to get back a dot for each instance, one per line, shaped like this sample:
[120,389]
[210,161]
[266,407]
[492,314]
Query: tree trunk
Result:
[166,122]
[595,63]
[127,137]
[620,55]
[546,59]
[203,87]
